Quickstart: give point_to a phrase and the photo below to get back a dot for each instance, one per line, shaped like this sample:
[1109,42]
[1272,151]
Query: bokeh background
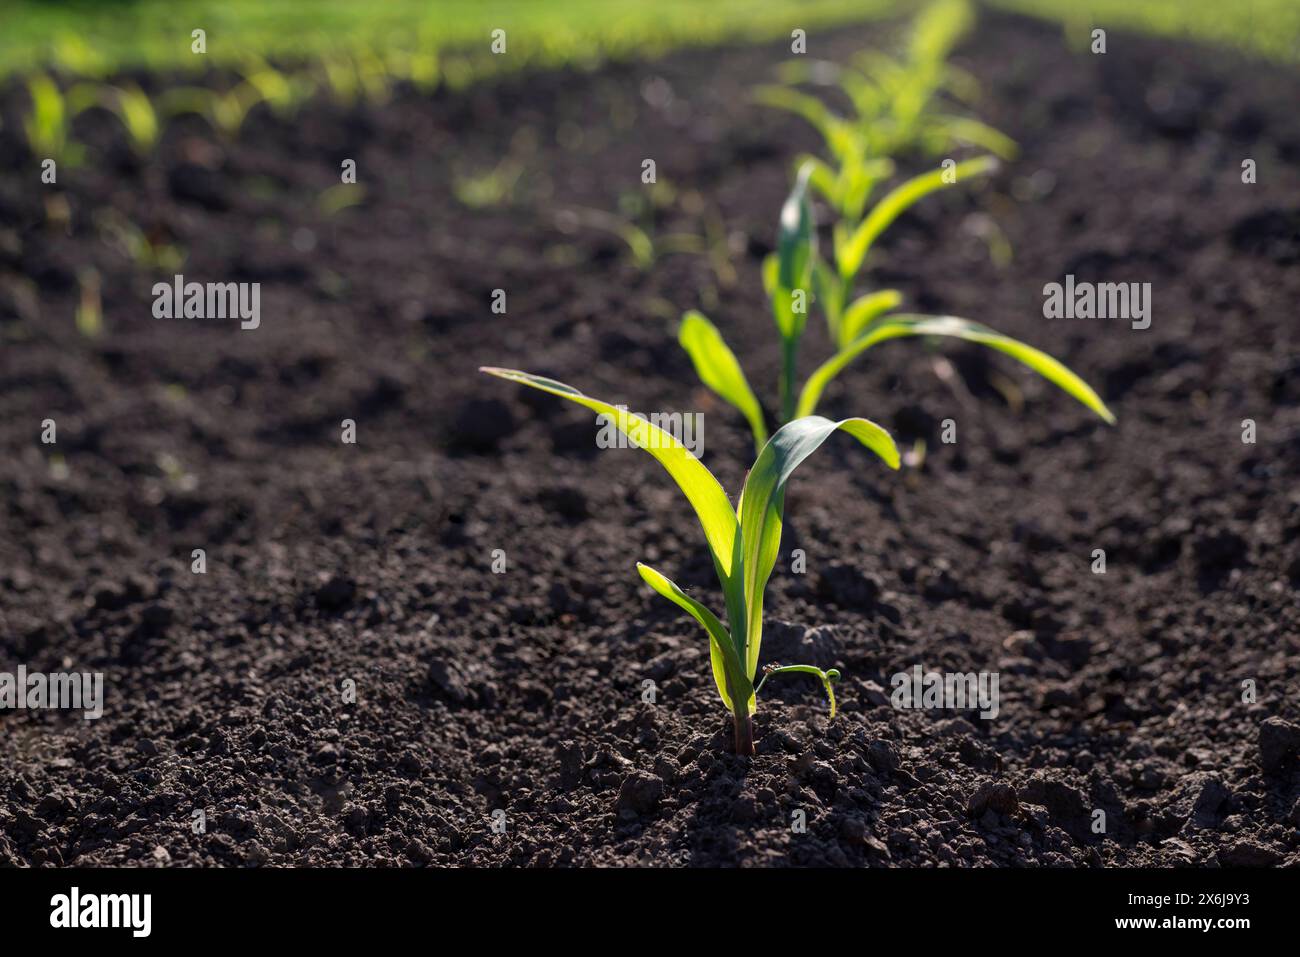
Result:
[94,35]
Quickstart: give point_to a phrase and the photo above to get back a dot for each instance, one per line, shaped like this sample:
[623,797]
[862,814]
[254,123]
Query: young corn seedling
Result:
[832,283]
[418,65]
[126,101]
[48,125]
[341,78]
[490,188]
[635,225]
[89,317]
[339,197]
[283,92]
[902,101]
[743,541]
[896,109]
[373,77]
[796,269]
[148,252]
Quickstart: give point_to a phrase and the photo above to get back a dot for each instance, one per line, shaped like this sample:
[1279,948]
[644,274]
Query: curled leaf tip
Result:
[827,678]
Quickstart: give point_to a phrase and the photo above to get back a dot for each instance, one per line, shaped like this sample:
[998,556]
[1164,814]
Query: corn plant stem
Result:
[744,727]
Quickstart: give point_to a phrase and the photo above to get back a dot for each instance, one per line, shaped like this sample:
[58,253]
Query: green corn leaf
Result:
[886,72]
[783,311]
[820,177]
[341,74]
[47,124]
[863,310]
[790,323]
[868,99]
[937,30]
[339,197]
[771,269]
[718,368]
[639,243]
[910,325]
[82,96]
[796,239]
[859,181]
[830,292]
[834,130]
[138,116]
[874,168]
[961,84]
[130,104]
[851,253]
[697,483]
[796,251]
[717,517]
[763,498]
[727,671]
[963,129]
[77,57]
[828,678]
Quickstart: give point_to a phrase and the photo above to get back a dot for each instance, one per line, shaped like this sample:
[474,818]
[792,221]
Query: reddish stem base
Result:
[744,726]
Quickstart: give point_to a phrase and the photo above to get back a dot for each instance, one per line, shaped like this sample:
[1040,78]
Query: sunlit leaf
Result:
[911,325]
[827,678]
[863,310]
[717,517]
[763,497]
[718,368]
[727,670]
[851,254]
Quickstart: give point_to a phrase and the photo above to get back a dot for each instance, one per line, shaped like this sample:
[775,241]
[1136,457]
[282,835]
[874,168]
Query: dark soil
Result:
[521,692]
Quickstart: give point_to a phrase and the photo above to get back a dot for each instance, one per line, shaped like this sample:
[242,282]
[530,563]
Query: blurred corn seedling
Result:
[898,109]
[126,101]
[795,273]
[149,253]
[48,125]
